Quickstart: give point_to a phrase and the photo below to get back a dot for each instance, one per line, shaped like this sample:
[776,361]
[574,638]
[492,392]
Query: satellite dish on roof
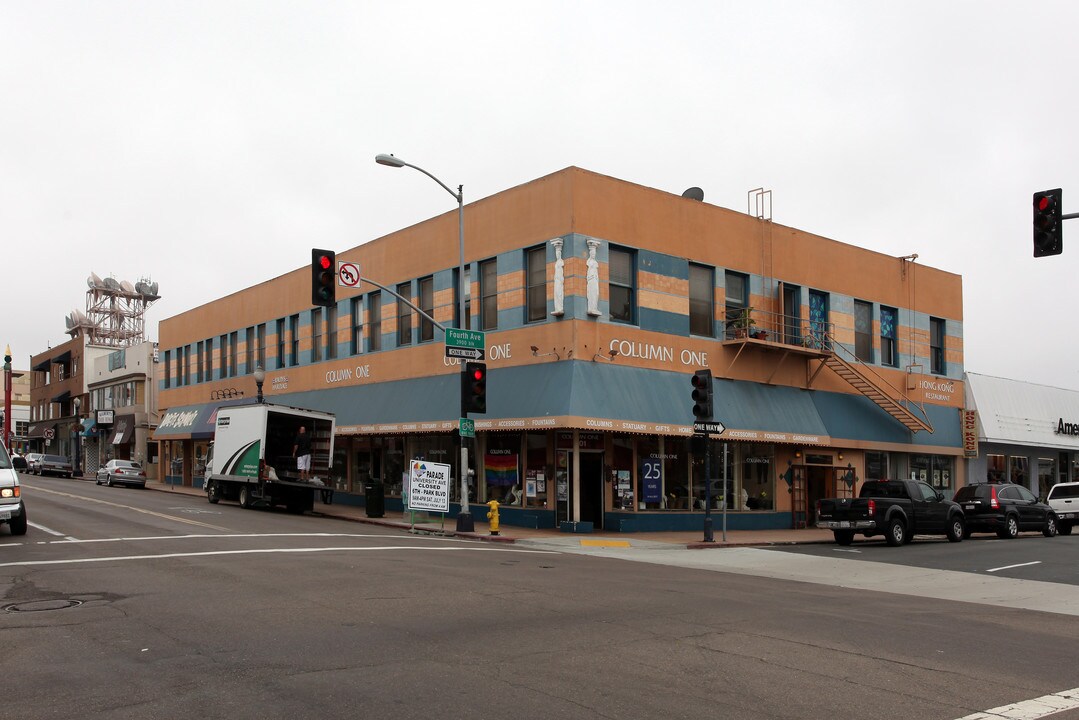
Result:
[111,284]
[127,287]
[142,288]
[69,321]
[694,193]
[153,289]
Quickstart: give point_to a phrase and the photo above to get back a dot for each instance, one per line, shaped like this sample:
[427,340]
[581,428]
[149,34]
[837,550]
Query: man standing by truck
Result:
[301,450]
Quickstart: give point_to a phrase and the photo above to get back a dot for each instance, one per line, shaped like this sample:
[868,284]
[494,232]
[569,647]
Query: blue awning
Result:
[89,427]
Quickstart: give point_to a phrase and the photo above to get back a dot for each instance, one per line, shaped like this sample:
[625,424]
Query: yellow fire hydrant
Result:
[492,515]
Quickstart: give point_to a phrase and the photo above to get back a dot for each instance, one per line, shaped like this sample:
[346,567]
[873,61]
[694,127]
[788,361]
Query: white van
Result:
[12,508]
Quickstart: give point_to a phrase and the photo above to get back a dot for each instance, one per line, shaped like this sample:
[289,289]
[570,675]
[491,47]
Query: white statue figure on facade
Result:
[592,279]
[559,278]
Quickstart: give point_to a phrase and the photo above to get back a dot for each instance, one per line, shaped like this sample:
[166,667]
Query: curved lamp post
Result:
[464,518]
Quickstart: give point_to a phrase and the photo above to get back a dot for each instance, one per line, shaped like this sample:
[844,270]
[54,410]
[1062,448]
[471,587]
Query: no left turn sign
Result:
[348,274]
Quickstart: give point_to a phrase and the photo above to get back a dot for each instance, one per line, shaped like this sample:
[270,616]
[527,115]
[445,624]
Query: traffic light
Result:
[474,388]
[323,277]
[1048,238]
[702,394]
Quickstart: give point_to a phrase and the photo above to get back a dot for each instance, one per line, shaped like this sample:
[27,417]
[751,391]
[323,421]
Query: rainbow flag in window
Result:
[500,469]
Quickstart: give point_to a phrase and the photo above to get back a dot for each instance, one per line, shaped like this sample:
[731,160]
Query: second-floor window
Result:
[488,295]
[427,304]
[622,285]
[889,353]
[374,321]
[356,321]
[280,343]
[331,332]
[936,346]
[863,331]
[223,354]
[260,345]
[536,278]
[736,287]
[404,315]
[702,281]
[249,351]
[316,335]
[294,340]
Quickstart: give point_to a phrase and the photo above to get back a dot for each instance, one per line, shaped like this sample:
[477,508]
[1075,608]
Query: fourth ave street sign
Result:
[709,428]
[468,344]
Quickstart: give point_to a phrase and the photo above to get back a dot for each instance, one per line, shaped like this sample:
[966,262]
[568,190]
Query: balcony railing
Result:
[753,324]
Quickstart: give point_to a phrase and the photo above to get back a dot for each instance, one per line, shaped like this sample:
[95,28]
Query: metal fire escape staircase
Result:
[863,379]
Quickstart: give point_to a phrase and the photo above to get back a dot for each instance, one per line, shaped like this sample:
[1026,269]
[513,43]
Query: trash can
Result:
[374,496]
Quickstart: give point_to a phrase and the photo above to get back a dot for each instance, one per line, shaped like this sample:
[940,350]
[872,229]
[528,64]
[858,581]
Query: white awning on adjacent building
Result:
[1022,413]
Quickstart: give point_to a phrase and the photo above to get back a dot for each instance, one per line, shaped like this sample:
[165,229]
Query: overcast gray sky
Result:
[209,145]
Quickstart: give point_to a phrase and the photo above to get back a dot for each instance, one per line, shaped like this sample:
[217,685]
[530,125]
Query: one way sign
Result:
[709,428]
[469,353]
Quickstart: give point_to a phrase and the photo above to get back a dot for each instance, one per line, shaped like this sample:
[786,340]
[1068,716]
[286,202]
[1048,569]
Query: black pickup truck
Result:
[897,509]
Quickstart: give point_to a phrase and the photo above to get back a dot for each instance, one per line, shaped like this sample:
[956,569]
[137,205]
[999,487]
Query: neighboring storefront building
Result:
[123,401]
[599,299]
[1021,432]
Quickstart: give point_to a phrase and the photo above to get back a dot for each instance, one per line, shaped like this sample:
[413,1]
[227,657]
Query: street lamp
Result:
[77,403]
[260,377]
[464,518]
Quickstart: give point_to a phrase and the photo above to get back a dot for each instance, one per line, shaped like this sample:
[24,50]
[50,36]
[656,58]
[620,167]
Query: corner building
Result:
[599,299]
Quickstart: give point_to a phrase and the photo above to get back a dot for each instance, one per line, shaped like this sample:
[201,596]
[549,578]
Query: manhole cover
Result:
[42,605]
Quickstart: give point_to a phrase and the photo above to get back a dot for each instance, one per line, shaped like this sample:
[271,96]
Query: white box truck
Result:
[251,458]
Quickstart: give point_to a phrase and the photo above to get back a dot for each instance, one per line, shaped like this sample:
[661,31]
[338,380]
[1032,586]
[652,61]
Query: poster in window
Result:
[530,488]
[651,479]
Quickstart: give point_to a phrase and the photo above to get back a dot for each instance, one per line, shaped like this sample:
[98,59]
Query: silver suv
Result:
[1064,499]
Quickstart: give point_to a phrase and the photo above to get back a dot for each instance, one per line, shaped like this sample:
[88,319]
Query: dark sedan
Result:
[1005,509]
[54,465]
[122,472]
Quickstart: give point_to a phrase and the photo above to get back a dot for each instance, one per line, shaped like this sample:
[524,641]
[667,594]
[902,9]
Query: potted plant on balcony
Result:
[743,323]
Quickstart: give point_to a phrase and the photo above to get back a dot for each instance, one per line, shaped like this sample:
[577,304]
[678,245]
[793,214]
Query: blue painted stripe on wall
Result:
[660,264]
[664,322]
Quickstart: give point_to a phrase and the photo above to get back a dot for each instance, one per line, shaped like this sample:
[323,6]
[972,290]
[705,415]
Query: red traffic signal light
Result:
[1048,233]
[323,278]
[474,388]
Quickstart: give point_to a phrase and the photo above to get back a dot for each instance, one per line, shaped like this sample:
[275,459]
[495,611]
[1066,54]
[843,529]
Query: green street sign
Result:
[467,427]
[470,339]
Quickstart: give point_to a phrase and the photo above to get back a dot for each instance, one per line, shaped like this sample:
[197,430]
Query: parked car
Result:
[18,462]
[1064,499]
[12,507]
[32,460]
[897,509]
[122,472]
[55,465]
[1005,509]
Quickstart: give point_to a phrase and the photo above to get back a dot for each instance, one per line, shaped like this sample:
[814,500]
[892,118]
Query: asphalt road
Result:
[124,603]
[1031,556]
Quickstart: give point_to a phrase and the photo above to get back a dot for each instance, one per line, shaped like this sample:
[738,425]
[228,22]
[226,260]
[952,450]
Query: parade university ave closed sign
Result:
[429,486]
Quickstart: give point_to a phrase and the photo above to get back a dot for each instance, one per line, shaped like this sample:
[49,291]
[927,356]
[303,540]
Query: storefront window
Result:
[502,468]
[996,471]
[363,464]
[393,465]
[536,478]
[440,449]
[1019,470]
[876,465]
[933,469]
[339,471]
[624,495]
[676,478]
[1046,474]
[757,491]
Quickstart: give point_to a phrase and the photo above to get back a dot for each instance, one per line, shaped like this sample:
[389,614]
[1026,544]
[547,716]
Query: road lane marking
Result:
[202,536]
[1031,709]
[1009,567]
[51,532]
[126,507]
[265,551]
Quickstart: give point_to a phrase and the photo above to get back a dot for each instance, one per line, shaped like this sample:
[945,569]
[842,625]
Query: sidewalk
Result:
[509,534]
